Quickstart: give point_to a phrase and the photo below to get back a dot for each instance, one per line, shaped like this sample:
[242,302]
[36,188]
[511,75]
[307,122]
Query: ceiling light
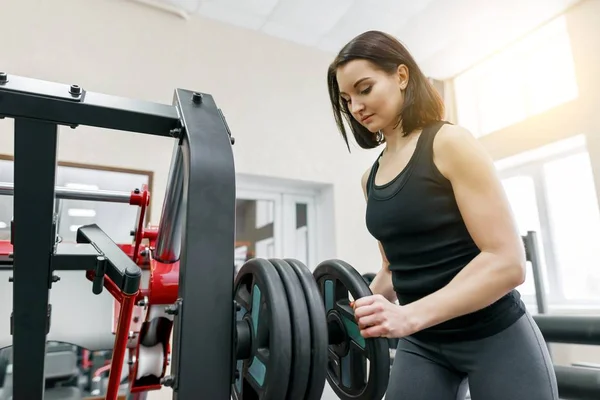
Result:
[81,212]
[73,228]
[82,186]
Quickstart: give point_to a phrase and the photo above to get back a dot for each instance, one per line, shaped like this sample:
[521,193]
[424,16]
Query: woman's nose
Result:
[357,107]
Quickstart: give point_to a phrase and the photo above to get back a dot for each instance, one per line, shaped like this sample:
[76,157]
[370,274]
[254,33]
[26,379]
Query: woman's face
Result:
[373,96]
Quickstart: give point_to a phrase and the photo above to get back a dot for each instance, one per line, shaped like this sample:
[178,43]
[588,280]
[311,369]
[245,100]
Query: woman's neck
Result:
[396,140]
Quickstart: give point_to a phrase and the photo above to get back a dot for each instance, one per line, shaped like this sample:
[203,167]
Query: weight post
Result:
[202,353]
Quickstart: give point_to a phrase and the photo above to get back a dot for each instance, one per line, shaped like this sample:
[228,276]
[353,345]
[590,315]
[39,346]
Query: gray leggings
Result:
[511,365]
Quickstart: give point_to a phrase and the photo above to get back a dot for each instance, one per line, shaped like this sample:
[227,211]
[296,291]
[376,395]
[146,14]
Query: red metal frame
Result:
[162,291]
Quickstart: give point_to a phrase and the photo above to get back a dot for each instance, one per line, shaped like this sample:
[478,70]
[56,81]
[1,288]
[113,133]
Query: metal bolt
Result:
[197,98]
[3,77]
[75,89]
[168,381]
[143,302]
[172,310]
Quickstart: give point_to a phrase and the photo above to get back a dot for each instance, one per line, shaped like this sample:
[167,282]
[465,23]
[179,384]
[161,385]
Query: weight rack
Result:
[197,224]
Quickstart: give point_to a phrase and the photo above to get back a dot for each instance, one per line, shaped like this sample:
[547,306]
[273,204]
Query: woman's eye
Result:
[366,90]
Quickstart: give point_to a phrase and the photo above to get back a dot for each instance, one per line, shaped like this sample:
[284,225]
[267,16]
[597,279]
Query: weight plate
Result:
[300,330]
[347,372]
[261,297]
[368,277]
[318,330]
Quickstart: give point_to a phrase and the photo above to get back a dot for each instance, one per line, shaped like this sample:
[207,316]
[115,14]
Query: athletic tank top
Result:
[416,218]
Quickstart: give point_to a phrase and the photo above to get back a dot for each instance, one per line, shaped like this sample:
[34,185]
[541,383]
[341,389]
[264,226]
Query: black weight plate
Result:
[260,293]
[368,277]
[347,373]
[300,330]
[318,330]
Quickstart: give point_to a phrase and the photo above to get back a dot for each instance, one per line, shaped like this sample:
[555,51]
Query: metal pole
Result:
[168,241]
[35,167]
[7,188]
[538,278]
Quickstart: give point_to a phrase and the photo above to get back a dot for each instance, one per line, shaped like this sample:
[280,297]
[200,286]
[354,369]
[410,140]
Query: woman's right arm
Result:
[382,283]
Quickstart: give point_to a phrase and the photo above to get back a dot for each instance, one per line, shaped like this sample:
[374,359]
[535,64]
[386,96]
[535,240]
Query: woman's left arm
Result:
[500,267]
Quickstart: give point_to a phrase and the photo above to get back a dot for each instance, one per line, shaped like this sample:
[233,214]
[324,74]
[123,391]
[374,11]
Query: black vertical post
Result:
[33,238]
[202,362]
[533,257]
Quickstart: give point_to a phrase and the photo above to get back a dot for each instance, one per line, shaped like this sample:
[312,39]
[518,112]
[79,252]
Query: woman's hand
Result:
[377,317]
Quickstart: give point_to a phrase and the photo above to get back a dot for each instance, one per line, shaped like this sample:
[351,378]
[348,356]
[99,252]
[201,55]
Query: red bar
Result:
[163,286]
[121,338]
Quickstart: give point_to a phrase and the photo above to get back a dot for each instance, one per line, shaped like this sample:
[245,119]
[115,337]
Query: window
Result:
[518,82]
[276,221]
[553,193]
[115,219]
[575,225]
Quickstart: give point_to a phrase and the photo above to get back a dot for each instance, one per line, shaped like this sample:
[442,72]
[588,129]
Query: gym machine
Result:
[273,331]
[575,382]
[202,178]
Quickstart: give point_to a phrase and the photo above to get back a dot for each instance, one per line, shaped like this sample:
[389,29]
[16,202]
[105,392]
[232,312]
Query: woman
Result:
[452,255]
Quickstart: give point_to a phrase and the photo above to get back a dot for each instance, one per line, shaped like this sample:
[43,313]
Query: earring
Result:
[379,136]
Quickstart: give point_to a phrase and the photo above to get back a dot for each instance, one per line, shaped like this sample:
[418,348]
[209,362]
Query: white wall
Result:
[273,94]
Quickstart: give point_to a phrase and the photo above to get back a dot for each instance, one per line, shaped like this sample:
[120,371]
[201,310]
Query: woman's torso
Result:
[412,211]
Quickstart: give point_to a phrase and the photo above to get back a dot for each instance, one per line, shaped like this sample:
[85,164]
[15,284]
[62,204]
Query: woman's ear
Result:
[403,76]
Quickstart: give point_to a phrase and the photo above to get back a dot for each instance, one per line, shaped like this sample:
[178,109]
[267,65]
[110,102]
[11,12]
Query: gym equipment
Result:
[182,276]
[318,330]
[575,382]
[263,334]
[300,327]
[281,334]
[368,277]
[60,375]
[348,373]
[532,256]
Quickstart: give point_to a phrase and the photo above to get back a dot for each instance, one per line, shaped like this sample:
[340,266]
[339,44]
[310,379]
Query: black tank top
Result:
[417,220]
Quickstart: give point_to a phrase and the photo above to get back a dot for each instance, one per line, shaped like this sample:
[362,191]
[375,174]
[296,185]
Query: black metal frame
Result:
[533,256]
[578,381]
[203,178]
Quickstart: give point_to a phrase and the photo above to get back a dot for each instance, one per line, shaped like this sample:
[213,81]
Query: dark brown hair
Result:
[422,102]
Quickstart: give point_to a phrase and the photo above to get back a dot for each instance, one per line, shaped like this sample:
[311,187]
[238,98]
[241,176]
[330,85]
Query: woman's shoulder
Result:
[454,146]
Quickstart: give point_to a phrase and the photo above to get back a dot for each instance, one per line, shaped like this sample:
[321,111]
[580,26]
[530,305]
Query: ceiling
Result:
[445,36]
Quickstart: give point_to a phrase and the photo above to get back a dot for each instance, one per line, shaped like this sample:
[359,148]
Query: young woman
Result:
[452,255]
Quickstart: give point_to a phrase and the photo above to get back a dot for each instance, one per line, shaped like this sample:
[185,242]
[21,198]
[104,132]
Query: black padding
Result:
[578,383]
[571,329]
